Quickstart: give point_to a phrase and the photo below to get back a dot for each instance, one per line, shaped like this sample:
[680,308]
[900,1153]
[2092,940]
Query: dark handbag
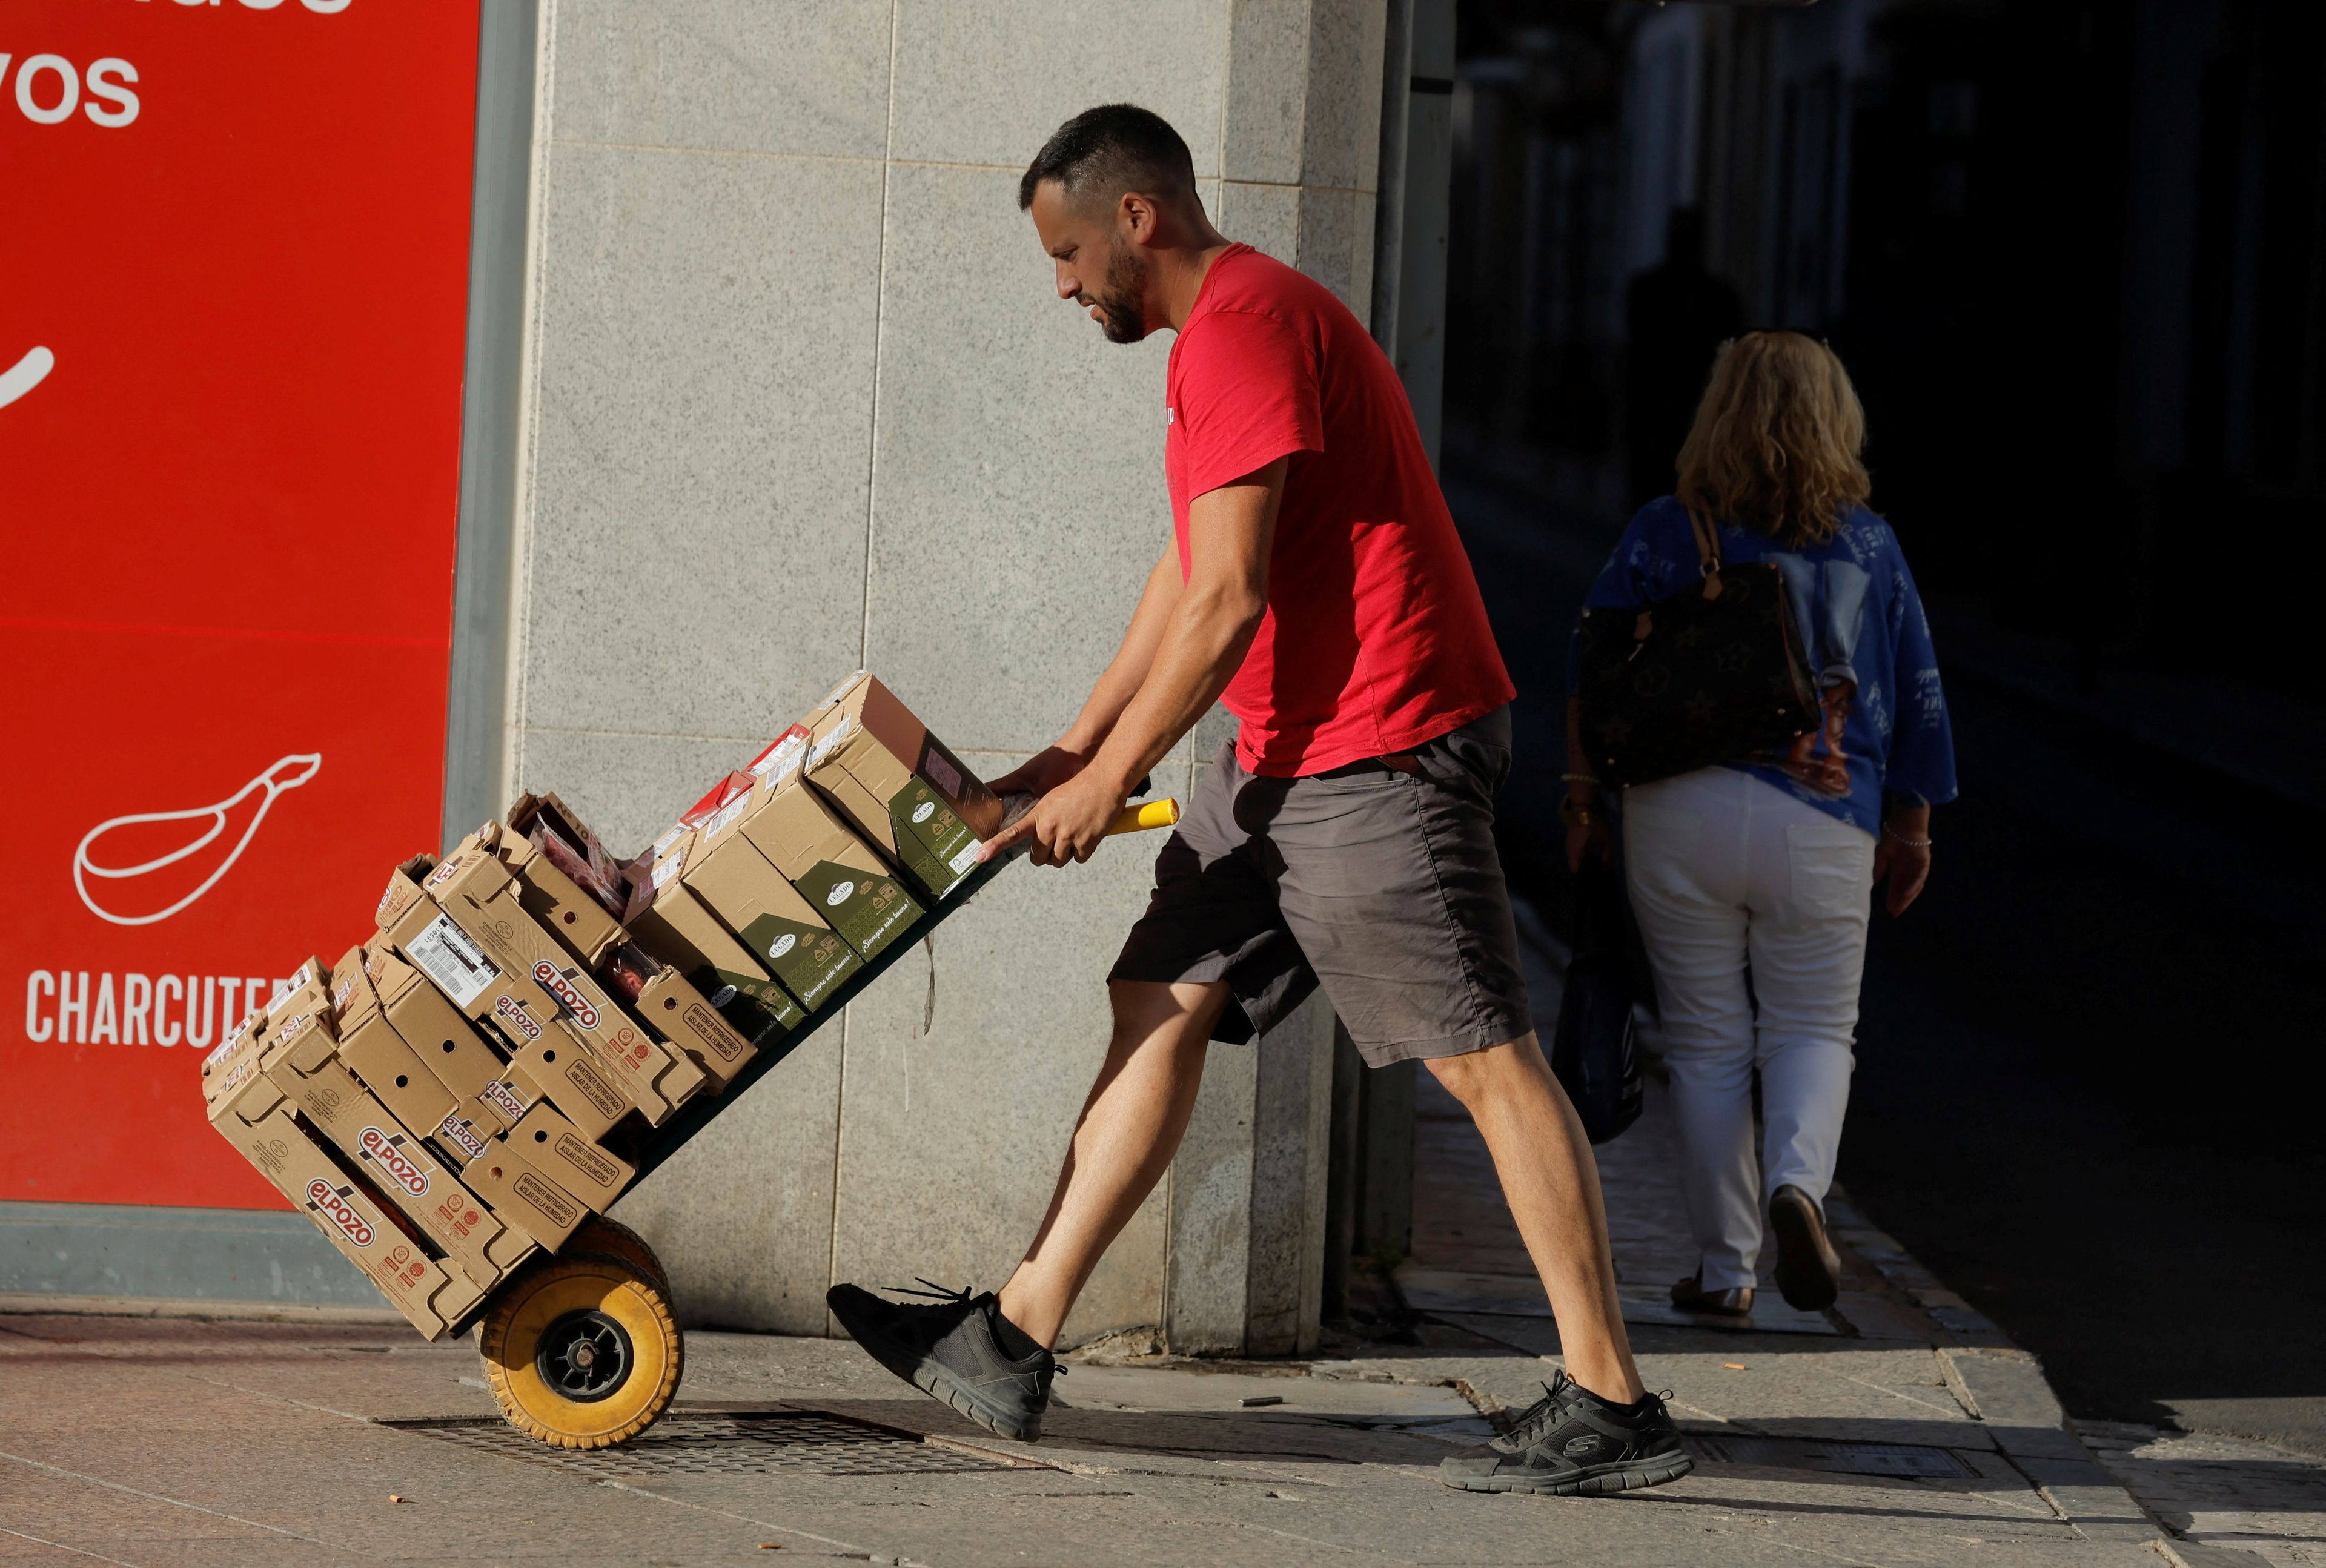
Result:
[1713,673]
[1594,1052]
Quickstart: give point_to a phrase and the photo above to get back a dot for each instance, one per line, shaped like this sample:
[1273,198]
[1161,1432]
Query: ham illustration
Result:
[25,374]
[118,883]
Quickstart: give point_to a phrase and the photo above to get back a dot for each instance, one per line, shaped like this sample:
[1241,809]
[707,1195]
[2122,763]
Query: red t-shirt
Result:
[1375,640]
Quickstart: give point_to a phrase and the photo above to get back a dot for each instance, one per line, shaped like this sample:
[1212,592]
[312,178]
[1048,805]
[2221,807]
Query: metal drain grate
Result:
[1899,1459]
[801,1444]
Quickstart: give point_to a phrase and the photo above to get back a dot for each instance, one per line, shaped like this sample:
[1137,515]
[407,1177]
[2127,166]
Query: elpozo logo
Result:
[382,1151]
[554,980]
[461,1135]
[325,1200]
[513,1010]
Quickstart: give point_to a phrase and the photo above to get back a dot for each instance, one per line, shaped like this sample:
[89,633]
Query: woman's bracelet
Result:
[1889,833]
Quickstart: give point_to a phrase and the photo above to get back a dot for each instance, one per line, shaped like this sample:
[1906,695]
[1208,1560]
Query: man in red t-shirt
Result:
[1314,585]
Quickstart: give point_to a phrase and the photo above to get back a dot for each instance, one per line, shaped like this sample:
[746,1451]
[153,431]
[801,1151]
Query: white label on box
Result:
[447,956]
[724,817]
[962,862]
[823,748]
[780,756]
[664,871]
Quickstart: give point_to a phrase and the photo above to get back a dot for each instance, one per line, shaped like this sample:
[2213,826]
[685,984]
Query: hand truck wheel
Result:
[581,1350]
[612,1239]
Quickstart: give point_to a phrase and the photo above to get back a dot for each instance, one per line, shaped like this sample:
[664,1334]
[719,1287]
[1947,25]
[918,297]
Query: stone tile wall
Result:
[801,400]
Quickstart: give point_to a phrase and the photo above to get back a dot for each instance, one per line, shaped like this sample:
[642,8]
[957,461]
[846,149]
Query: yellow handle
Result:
[1162,813]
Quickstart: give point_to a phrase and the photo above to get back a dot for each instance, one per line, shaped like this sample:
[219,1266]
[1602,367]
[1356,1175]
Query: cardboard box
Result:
[466,1130]
[305,1066]
[475,887]
[558,831]
[671,923]
[371,1049]
[899,787]
[354,1217]
[662,999]
[573,1079]
[233,1066]
[563,908]
[558,1149]
[455,1051]
[471,934]
[835,872]
[524,1197]
[780,929]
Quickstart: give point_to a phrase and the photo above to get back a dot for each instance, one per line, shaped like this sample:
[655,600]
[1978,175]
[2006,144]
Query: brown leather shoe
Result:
[1735,1302]
[1809,1270]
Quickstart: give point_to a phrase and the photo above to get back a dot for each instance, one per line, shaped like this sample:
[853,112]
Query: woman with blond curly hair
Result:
[1752,881]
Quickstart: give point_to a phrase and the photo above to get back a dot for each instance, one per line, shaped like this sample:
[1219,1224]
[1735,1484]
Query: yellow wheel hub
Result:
[582,1353]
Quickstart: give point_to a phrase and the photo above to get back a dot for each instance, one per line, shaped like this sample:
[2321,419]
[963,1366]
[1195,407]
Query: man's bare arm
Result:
[1124,673]
[1199,648]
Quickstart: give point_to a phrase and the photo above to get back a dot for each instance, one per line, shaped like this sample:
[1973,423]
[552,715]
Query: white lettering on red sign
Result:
[322,1197]
[400,1166]
[513,1010]
[554,980]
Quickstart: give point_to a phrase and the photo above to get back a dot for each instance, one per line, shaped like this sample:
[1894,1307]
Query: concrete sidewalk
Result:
[149,1441]
[1899,1430]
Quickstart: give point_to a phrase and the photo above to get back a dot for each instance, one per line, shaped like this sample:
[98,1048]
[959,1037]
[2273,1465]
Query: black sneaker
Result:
[952,1352]
[1809,1270]
[1569,1443]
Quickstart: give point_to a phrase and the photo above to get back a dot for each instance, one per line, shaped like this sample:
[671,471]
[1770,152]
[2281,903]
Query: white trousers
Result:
[1730,874]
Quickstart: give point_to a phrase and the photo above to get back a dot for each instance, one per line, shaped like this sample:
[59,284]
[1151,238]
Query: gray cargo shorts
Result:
[1378,880]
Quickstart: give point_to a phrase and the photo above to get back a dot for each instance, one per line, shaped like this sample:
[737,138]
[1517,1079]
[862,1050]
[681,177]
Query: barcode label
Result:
[783,758]
[724,817]
[823,748]
[447,956]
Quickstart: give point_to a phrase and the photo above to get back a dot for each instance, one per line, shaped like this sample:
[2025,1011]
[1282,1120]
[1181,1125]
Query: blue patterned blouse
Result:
[1869,649]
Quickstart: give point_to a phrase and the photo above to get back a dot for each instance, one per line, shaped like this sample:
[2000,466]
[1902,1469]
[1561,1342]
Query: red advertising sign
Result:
[232,304]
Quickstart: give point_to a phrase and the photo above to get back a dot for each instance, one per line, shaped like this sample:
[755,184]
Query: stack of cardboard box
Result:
[458,1094]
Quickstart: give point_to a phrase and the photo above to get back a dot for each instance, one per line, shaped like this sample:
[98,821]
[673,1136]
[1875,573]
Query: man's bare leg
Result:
[1552,1186]
[1130,1129]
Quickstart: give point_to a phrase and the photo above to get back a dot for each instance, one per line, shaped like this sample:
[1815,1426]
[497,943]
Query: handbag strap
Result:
[1707,550]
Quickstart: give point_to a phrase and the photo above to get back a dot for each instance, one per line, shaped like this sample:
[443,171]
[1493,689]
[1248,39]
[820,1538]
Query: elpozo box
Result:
[252,1113]
[471,935]
[302,1061]
[463,1058]
[519,1013]
[899,786]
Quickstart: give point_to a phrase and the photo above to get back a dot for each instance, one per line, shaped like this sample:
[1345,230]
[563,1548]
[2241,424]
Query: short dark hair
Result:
[1108,149]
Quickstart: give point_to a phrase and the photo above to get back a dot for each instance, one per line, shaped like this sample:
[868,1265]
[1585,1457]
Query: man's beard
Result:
[1122,319]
